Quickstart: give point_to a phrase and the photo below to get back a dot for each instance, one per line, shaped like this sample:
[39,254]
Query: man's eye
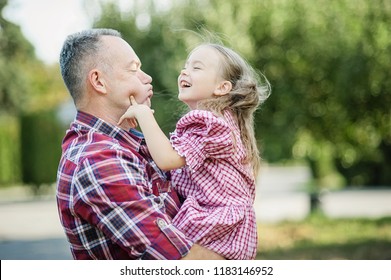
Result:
[196,68]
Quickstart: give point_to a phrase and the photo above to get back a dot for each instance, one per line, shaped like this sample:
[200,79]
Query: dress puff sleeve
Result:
[200,135]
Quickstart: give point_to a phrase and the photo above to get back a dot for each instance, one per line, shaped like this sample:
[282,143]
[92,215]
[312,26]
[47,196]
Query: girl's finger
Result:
[120,120]
[132,100]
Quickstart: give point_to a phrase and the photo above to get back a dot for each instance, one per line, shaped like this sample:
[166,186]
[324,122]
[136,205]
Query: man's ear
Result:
[97,81]
[223,88]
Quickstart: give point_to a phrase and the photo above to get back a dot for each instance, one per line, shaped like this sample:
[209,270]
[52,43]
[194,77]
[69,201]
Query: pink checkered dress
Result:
[218,212]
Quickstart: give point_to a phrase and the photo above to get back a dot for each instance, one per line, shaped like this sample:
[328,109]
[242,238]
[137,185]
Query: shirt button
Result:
[179,171]
[161,223]
[157,200]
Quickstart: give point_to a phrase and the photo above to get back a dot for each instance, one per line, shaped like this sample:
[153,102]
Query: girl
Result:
[212,152]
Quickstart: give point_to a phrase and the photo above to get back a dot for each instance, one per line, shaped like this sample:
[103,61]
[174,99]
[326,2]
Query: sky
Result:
[46,23]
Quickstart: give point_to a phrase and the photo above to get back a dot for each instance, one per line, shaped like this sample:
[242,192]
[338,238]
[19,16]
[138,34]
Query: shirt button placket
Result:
[158,201]
[161,223]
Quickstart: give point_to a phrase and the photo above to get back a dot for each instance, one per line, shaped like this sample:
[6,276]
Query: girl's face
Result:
[200,78]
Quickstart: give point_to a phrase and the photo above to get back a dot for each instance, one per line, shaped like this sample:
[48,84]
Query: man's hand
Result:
[198,252]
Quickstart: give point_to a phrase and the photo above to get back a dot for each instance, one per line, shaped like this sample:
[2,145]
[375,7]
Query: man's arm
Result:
[118,207]
[158,144]
[198,252]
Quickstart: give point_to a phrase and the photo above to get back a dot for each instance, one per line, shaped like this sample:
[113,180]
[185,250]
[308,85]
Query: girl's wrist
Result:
[143,110]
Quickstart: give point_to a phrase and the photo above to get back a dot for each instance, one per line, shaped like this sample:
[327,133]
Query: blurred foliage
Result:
[9,150]
[15,51]
[42,131]
[27,87]
[330,106]
[327,62]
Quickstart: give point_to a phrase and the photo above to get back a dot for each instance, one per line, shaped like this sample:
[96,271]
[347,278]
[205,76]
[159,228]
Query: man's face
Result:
[124,76]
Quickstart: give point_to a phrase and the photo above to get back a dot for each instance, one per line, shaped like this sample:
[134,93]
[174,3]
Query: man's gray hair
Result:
[77,54]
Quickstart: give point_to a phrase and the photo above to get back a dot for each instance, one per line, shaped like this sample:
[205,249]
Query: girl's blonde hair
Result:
[246,95]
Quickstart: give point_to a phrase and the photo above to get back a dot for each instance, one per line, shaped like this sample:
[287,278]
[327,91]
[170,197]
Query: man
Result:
[113,201]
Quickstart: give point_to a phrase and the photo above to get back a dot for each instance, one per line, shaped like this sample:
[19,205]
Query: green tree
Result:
[26,83]
[28,88]
[327,62]
[14,50]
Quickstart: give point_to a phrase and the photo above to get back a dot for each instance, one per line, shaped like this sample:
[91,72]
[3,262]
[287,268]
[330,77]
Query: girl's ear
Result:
[96,79]
[223,88]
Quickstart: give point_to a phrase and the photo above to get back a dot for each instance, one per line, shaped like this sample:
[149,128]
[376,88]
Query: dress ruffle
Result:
[200,135]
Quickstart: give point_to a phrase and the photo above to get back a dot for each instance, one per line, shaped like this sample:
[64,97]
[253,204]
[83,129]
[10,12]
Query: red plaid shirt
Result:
[113,202]
[219,187]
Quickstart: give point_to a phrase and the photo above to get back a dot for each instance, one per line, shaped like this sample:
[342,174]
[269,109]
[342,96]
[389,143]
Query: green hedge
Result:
[41,136]
[10,171]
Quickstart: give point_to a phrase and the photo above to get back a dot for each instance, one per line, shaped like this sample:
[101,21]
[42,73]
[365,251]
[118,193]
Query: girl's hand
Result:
[133,112]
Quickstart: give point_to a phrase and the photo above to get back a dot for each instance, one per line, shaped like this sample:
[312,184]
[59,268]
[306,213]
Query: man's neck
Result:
[106,115]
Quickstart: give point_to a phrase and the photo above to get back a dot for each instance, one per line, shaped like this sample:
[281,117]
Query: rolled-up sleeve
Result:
[169,243]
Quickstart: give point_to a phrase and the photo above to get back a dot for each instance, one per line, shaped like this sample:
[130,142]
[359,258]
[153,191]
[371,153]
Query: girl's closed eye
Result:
[197,66]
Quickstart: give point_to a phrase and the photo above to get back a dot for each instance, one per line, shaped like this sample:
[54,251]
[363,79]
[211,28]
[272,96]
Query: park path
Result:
[281,195]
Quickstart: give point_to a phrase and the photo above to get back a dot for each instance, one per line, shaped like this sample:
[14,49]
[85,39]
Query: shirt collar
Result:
[132,137]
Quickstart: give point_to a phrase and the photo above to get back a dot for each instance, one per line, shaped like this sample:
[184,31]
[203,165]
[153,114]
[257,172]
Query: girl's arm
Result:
[158,144]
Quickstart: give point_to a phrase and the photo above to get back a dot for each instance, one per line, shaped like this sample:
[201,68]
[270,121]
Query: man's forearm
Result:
[198,252]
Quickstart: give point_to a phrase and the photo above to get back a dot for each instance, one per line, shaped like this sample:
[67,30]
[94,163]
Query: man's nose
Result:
[145,78]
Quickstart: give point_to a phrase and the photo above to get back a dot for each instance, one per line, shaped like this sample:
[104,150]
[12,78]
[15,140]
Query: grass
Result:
[321,238]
